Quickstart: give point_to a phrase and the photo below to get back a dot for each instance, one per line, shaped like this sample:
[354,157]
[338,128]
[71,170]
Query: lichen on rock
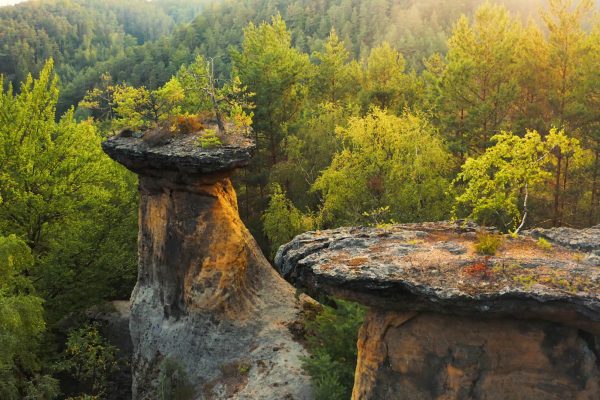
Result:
[447,322]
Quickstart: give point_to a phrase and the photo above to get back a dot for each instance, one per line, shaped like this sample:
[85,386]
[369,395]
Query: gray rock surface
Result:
[178,153]
[447,323]
[585,240]
[435,267]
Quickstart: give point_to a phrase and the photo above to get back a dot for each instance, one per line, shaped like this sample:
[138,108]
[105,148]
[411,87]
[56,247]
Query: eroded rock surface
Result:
[448,323]
[206,299]
[182,154]
[585,240]
[409,355]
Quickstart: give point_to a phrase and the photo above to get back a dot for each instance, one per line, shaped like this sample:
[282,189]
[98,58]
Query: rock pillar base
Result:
[433,356]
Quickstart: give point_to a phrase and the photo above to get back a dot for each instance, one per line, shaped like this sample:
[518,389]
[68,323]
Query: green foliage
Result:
[398,95]
[331,340]
[567,50]
[278,75]
[498,181]
[328,384]
[392,161]
[42,387]
[135,108]
[173,383]
[139,108]
[90,359]
[227,101]
[476,87]
[21,327]
[334,81]
[417,28]
[68,201]
[282,220]
[544,244]
[79,34]
[488,243]
[243,369]
[209,140]
[378,217]
[309,151]
[384,83]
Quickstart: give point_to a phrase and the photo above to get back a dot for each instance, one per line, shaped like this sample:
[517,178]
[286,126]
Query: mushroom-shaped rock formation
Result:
[447,323]
[207,305]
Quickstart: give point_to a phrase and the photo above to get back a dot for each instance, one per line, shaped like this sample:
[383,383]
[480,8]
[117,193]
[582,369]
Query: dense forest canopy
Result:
[78,34]
[364,112]
[128,38]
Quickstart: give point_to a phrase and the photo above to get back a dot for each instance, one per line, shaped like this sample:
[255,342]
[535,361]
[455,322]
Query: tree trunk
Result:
[524,210]
[218,115]
[592,214]
[564,188]
[556,217]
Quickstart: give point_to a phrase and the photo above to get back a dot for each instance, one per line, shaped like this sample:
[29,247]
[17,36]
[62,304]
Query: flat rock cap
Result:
[179,153]
[436,267]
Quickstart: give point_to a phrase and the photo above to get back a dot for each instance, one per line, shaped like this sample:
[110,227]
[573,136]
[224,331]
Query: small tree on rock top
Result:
[203,93]
[498,184]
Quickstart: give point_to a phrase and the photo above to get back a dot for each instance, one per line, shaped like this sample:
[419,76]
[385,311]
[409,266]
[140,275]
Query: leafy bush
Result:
[209,140]
[21,327]
[544,244]
[90,360]
[488,243]
[282,220]
[331,340]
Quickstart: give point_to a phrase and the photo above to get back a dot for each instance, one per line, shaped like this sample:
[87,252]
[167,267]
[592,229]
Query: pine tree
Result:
[478,86]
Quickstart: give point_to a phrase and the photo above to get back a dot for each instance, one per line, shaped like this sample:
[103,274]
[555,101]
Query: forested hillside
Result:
[78,34]
[363,112]
[321,65]
[87,38]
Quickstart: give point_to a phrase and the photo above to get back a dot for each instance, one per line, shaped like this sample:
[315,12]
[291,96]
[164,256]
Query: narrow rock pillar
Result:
[207,305]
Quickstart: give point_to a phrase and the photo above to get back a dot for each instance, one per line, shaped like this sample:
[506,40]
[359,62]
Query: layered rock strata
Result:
[448,323]
[207,304]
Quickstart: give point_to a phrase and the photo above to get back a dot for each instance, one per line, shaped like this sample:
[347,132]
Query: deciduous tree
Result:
[386,161]
[497,186]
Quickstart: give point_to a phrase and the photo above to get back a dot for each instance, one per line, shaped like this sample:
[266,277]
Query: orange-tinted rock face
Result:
[434,356]
[206,300]
[194,244]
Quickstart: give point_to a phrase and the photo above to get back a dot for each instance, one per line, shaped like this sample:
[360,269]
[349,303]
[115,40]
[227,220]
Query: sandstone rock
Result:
[585,240]
[435,356]
[447,323]
[206,298]
[178,158]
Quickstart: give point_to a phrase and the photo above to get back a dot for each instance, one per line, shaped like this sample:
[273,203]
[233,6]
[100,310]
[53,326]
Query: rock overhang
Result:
[434,267]
[179,154]
[205,297]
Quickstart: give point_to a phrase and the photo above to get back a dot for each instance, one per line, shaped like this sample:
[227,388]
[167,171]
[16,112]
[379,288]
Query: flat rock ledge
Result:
[208,310]
[448,323]
[178,152]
